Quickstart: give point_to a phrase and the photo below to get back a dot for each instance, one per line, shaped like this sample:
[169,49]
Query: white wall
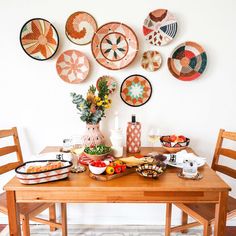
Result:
[37,101]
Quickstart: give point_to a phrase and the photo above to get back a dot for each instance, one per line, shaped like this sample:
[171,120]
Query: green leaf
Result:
[109,41]
[115,55]
[121,49]
[118,41]
[108,50]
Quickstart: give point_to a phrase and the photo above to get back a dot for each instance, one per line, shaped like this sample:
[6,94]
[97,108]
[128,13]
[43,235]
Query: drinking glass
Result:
[77,150]
[153,137]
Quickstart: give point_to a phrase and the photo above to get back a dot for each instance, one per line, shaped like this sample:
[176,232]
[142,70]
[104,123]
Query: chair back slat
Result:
[9,166]
[6,133]
[226,170]
[229,135]
[7,150]
[220,151]
[228,153]
[11,149]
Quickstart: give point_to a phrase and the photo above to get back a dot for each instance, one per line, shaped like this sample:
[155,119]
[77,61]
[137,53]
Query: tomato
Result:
[117,169]
[172,138]
[123,168]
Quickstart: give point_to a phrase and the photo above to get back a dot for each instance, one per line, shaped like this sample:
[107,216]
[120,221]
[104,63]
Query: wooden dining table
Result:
[132,188]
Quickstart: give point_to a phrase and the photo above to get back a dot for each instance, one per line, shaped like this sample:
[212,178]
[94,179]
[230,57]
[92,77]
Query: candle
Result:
[116,121]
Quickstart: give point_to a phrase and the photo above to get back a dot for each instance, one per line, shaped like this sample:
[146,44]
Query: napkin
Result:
[181,155]
[53,156]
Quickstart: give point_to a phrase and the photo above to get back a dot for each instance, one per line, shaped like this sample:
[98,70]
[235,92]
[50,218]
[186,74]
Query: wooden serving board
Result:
[105,177]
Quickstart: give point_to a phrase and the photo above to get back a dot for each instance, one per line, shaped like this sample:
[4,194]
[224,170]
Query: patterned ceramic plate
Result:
[151,60]
[72,66]
[188,61]
[112,84]
[136,90]
[39,39]
[80,28]
[160,27]
[114,45]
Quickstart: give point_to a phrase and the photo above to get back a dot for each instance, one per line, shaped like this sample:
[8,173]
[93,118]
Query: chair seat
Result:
[26,209]
[207,210]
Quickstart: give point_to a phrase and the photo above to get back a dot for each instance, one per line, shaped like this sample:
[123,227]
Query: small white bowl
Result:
[97,170]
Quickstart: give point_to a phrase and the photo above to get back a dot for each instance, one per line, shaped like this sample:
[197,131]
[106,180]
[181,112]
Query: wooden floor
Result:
[231,230]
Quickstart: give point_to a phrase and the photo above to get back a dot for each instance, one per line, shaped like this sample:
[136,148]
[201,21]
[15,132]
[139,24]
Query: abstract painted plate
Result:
[114,45]
[80,28]
[188,61]
[151,60]
[39,39]
[136,90]
[111,83]
[160,27]
[72,66]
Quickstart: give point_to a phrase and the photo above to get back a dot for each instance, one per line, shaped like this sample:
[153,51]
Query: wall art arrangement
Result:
[188,61]
[39,39]
[111,83]
[114,45]
[160,27]
[72,66]
[136,90]
[151,61]
[80,28]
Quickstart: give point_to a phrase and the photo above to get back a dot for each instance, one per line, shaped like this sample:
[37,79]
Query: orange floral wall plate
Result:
[111,83]
[151,61]
[136,90]
[39,39]
[72,66]
[80,28]
[114,45]
[160,27]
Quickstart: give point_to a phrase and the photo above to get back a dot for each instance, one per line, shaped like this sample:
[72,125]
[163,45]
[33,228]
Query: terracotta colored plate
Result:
[80,28]
[39,39]
[112,84]
[114,45]
[188,61]
[160,27]
[136,90]
[72,66]
[151,61]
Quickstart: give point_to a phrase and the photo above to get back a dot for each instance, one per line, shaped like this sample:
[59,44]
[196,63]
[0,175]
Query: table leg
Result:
[220,215]
[13,214]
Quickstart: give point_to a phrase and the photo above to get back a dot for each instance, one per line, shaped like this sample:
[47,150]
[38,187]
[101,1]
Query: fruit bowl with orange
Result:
[174,143]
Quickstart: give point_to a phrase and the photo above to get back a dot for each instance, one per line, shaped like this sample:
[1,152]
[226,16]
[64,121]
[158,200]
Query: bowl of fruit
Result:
[174,143]
[98,152]
[97,167]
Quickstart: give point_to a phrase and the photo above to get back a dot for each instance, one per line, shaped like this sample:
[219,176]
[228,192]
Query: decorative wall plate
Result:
[188,61]
[72,66]
[151,60]
[114,45]
[136,90]
[39,39]
[160,27]
[112,84]
[80,28]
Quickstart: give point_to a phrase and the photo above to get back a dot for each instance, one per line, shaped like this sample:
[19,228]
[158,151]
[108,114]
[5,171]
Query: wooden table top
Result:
[169,181]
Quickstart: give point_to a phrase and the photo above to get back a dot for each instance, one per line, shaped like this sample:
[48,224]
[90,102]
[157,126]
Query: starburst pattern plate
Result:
[114,45]
[39,39]
[136,90]
[72,66]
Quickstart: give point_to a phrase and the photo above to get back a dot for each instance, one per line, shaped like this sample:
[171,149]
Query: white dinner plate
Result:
[200,162]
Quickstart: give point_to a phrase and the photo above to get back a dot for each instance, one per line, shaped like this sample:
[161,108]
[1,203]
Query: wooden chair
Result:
[204,213]
[28,211]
